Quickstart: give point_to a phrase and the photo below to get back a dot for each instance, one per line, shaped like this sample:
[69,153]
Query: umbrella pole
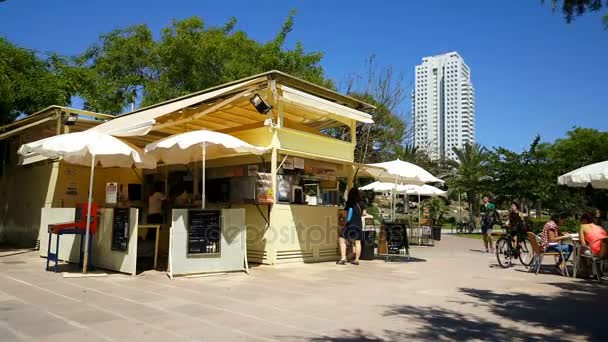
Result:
[85,262]
[204,196]
[395,199]
[419,209]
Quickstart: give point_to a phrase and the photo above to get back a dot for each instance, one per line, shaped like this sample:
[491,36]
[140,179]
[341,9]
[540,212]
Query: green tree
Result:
[384,89]
[573,8]
[582,146]
[528,177]
[379,141]
[129,65]
[437,208]
[28,82]
[470,176]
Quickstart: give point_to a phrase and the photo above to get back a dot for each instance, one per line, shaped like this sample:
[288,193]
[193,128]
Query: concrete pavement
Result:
[451,291]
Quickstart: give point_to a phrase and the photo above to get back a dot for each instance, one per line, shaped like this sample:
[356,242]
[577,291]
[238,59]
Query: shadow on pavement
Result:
[577,310]
[400,259]
[478,251]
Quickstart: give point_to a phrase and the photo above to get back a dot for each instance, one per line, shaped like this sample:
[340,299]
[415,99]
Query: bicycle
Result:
[465,226]
[506,251]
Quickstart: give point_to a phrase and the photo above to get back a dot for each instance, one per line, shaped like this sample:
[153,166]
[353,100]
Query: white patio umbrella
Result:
[401,172]
[195,146]
[382,186]
[408,189]
[594,174]
[424,190]
[89,148]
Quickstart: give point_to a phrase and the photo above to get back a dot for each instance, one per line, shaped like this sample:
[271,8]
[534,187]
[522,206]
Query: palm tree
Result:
[409,153]
[470,175]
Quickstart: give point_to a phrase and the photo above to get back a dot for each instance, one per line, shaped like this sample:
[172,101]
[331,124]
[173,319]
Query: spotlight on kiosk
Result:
[262,107]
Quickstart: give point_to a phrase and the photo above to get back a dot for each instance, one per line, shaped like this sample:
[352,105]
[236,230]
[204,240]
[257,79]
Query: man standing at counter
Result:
[355,210]
[155,205]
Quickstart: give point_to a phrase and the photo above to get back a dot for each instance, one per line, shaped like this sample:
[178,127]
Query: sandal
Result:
[355,263]
[560,269]
[341,262]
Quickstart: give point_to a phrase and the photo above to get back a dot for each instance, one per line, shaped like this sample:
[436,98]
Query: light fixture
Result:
[260,105]
[71,119]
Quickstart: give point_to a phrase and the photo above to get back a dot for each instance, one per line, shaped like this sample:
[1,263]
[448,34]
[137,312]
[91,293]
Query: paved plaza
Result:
[451,291]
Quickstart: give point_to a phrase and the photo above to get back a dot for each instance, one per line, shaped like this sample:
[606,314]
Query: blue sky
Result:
[532,72]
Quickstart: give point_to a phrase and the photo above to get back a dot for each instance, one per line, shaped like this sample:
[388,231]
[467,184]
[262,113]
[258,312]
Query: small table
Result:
[574,238]
[157,227]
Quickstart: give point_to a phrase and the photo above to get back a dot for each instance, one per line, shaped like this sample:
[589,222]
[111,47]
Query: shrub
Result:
[374,211]
[569,226]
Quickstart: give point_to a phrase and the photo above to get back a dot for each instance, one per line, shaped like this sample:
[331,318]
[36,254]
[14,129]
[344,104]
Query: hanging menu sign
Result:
[204,231]
[120,230]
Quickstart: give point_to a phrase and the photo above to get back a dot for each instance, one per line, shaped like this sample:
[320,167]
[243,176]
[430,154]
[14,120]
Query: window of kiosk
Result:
[204,232]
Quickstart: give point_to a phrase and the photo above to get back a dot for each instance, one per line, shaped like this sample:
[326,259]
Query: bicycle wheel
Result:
[471,227]
[459,228]
[503,252]
[525,252]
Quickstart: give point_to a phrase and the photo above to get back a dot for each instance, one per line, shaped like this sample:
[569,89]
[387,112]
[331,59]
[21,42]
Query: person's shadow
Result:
[478,251]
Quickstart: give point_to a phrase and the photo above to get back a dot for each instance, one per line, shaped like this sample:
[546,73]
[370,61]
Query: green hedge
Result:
[569,226]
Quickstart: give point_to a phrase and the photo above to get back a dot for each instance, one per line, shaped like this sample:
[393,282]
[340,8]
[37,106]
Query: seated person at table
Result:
[591,236]
[550,240]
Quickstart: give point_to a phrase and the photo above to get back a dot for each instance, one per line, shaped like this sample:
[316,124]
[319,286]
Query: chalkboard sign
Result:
[396,237]
[204,231]
[120,230]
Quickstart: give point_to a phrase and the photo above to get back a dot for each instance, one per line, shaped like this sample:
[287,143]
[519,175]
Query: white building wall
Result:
[443,105]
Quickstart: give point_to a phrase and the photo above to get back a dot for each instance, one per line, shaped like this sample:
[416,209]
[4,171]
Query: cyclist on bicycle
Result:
[489,217]
[516,223]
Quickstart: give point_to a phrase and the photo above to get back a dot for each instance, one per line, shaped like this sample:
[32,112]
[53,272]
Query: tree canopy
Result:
[574,8]
[129,65]
[28,82]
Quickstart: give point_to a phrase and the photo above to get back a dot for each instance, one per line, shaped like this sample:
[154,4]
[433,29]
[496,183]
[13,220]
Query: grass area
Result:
[470,236]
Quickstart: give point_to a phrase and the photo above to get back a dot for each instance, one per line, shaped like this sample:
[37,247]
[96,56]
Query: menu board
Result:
[263,184]
[204,231]
[120,230]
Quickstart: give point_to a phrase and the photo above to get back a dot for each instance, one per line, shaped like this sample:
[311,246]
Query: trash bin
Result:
[368,244]
[437,233]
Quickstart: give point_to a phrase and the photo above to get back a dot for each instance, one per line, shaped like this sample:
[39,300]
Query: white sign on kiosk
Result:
[111,192]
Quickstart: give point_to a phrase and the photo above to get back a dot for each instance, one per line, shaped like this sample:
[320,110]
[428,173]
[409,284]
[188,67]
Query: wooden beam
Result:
[241,111]
[223,118]
[243,127]
[208,110]
[87,113]
[231,116]
[300,127]
[19,129]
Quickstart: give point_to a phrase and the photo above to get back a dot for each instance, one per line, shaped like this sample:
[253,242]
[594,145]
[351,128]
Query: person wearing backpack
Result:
[489,217]
[353,230]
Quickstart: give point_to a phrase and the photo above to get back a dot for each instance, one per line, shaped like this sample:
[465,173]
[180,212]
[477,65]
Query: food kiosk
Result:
[280,207]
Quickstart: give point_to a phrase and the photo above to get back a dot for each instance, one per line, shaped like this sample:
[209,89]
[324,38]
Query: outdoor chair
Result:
[597,263]
[539,253]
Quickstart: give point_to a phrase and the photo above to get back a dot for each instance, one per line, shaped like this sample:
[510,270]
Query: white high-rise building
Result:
[443,105]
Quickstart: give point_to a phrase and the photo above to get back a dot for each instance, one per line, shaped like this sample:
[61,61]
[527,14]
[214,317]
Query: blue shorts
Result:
[486,229]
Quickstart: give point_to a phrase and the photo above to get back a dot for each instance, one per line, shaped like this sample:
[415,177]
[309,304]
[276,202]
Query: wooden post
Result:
[59,123]
[273,172]
[350,176]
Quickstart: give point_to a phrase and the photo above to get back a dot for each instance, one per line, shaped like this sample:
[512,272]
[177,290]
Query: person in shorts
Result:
[489,217]
[353,230]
